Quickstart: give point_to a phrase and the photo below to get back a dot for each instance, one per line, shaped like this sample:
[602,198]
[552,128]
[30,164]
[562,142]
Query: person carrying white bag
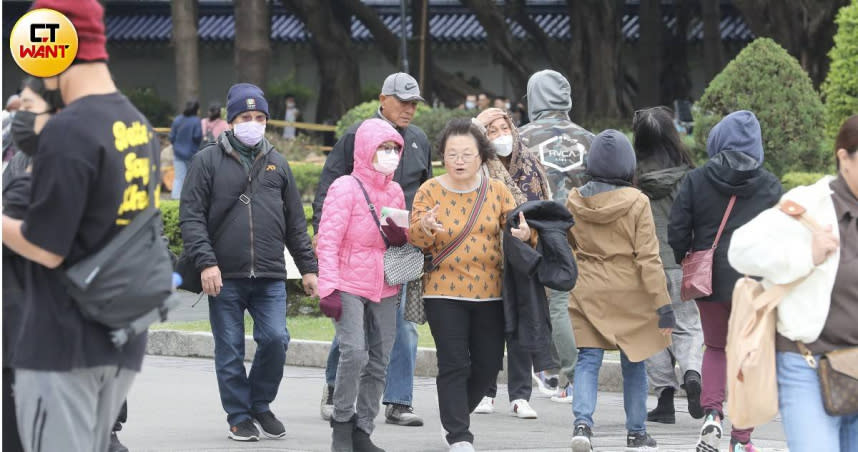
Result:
[817,341]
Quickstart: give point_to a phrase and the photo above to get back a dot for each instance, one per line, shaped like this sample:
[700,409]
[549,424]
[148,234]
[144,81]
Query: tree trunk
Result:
[186,48]
[252,41]
[805,28]
[450,88]
[500,41]
[596,72]
[649,48]
[339,74]
[675,78]
[711,12]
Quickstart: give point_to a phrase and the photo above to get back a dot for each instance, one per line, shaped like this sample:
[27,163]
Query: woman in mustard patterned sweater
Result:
[463,294]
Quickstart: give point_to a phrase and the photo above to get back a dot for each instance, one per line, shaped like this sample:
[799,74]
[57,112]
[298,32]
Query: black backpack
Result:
[128,284]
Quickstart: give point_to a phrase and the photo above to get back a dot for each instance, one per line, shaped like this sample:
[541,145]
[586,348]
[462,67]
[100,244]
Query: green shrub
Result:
[367,110]
[766,80]
[307,177]
[438,170]
[795,179]
[840,89]
[158,111]
[170,216]
[433,121]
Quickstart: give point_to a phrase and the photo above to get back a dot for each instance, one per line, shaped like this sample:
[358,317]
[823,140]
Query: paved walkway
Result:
[174,406]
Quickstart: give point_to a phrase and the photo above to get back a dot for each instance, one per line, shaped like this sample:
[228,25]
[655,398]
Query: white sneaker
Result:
[521,409]
[462,446]
[486,406]
[547,384]
[326,408]
[564,395]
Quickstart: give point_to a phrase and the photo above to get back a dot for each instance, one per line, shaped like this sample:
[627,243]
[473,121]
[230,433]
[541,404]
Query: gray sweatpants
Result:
[562,336]
[687,347]
[69,411]
[365,331]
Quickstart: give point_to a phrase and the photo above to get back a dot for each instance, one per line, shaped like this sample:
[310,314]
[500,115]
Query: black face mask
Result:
[54,99]
[23,132]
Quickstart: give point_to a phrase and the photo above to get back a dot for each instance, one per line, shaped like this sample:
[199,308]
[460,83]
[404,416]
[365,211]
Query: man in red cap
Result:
[90,177]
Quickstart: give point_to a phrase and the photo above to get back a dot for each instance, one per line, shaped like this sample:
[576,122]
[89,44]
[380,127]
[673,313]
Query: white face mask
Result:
[386,162]
[470,105]
[503,145]
[250,132]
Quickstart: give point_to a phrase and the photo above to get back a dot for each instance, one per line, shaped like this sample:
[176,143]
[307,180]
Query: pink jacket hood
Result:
[349,245]
[369,136]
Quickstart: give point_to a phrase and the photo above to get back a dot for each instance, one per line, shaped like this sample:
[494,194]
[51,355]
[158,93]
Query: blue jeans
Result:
[180,171]
[806,424]
[586,389]
[399,382]
[265,299]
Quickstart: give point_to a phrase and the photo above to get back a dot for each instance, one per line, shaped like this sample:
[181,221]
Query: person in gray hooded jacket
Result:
[561,146]
[663,162]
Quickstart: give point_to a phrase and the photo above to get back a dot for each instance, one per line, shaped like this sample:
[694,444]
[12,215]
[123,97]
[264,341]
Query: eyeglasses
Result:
[388,148]
[467,158]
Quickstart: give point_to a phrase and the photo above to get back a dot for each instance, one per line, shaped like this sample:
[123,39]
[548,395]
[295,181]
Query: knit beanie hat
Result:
[87,16]
[244,97]
[611,158]
[737,132]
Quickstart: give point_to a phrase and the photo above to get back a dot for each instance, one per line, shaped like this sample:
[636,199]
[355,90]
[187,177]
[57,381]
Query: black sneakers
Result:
[270,425]
[362,443]
[664,412]
[244,431]
[581,439]
[693,388]
[640,442]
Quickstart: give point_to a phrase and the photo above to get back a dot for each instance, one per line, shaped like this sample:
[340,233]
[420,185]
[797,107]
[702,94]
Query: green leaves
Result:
[840,89]
[766,80]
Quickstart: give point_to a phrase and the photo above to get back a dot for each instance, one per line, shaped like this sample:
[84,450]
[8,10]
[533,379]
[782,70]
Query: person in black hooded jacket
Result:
[735,151]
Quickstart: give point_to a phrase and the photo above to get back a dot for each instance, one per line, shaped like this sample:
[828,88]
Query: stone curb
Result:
[315,353]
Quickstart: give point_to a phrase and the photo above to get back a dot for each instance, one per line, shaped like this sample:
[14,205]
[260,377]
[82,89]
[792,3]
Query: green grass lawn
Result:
[302,327]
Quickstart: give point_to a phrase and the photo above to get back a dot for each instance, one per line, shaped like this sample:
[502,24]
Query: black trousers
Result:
[469,342]
[519,364]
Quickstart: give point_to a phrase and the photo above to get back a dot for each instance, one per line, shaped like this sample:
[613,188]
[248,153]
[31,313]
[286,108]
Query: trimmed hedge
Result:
[170,216]
[766,80]
[792,180]
[307,176]
[840,89]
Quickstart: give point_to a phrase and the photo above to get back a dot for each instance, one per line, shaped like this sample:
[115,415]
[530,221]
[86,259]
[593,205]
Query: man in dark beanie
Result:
[90,178]
[240,205]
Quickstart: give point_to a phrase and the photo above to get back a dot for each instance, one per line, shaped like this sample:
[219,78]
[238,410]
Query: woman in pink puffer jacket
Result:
[350,249]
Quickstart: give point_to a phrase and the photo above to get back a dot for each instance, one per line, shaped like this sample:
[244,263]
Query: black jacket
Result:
[527,271]
[16,199]
[251,245]
[414,168]
[700,205]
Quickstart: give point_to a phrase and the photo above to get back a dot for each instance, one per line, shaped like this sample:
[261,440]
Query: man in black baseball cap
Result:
[398,100]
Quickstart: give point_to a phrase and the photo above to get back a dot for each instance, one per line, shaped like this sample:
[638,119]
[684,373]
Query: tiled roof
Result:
[448,23]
